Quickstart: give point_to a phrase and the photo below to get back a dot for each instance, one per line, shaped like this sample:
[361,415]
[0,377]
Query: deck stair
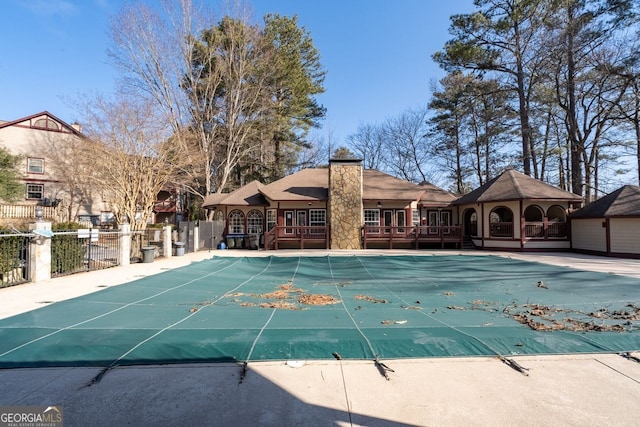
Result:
[467,243]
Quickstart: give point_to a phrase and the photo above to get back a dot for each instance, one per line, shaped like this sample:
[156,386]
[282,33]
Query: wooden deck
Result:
[389,237]
[414,235]
[300,237]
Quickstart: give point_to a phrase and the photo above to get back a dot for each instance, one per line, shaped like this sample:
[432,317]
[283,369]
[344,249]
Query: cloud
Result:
[51,7]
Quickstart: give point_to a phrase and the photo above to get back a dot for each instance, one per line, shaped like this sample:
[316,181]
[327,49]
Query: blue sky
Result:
[377,54]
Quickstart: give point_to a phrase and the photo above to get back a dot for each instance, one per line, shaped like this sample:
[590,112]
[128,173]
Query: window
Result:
[372,220]
[401,220]
[271,219]
[415,217]
[288,222]
[46,123]
[445,218]
[317,218]
[236,222]
[445,221]
[388,220]
[107,218]
[254,222]
[433,222]
[35,191]
[35,165]
[301,218]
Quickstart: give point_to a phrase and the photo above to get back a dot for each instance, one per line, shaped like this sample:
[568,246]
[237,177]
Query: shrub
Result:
[67,251]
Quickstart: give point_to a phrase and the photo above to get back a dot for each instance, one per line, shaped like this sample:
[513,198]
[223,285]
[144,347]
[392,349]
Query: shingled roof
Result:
[378,185]
[248,195]
[436,196]
[306,185]
[624,202]
[513,185]
[313,185]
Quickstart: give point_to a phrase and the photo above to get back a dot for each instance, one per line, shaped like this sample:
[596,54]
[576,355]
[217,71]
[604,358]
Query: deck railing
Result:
[412,234]
[501,229]
[296,234]
[537,230]
[26,211]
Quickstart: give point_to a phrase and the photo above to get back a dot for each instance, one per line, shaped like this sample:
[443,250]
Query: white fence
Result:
[26,211]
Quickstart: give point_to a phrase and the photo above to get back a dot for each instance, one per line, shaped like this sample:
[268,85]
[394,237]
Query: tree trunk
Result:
[572,125]
[525,128]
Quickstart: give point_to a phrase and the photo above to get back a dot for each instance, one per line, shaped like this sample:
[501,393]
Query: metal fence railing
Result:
[153,237]
[14,258]
[83,250]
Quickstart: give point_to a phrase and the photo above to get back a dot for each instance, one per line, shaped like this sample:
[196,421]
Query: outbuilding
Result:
[609,226]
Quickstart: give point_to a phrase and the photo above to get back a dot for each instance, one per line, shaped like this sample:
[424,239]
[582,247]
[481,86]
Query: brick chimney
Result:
[345,203]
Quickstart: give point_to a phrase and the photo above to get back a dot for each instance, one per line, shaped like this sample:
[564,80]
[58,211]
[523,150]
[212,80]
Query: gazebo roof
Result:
[513,185]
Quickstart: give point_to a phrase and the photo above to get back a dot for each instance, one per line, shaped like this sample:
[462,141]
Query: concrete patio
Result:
[580,390]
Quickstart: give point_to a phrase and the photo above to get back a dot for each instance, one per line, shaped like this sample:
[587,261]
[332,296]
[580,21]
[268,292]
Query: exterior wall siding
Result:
[589,234]
[625,235]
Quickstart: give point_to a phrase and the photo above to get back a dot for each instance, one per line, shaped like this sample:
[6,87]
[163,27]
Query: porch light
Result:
[379,204]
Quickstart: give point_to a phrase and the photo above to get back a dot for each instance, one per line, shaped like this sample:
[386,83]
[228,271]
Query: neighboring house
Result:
[37,138]
[340,207]
[516,212]
[168,207]
[610,225]
[45,142]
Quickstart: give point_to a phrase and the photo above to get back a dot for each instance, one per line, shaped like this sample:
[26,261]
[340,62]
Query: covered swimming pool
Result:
[235,309]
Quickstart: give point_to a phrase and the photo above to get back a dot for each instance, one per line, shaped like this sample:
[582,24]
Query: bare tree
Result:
[407,146]
[368,143]
[133,157]
[160,58]
[74,191]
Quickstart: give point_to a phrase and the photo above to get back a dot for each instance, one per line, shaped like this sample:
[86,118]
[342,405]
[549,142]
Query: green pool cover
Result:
[319,307]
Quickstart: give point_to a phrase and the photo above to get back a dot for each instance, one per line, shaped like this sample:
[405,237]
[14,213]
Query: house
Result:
[54,183]
[516,212]
[168,207]
[610,225]
[44,142]
[340,207]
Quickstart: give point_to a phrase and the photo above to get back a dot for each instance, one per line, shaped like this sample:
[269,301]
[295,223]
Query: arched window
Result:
[254,222]
[533,218]
[501,222]
[557,221]
[46,123]
[236,222]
